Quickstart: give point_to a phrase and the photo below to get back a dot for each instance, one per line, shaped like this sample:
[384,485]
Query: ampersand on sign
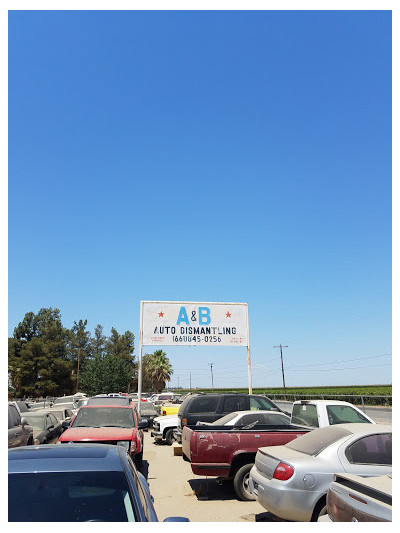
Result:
[193,317]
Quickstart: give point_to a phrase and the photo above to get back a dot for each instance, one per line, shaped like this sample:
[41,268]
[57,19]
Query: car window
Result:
[203,404]
[15,416]
[250,419]
[305,414]
[373,449]
[315,441]
[235,403]
[53,420]
[224,420]
[278,419]
[341,414]
[69,497]
[263,404]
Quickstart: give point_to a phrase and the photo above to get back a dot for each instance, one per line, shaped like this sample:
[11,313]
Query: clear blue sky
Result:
[233,156]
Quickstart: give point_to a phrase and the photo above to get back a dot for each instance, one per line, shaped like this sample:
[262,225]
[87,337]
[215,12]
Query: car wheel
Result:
[319,510]
[138,458]
[241,483]
[169,437]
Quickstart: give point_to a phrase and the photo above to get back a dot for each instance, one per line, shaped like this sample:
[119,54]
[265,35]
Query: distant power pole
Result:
[283,372]
[190,382]
[212,379]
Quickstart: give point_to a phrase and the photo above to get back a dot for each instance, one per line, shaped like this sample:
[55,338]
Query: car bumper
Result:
[282,500]
[157,435]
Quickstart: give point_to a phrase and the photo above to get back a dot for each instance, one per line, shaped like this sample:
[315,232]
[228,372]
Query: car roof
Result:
[108,405]
[65,458]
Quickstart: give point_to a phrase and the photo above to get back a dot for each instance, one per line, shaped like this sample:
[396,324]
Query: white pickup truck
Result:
[163,428]
[321,413]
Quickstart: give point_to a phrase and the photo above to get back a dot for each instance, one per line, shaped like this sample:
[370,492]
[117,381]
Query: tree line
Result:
[47,359]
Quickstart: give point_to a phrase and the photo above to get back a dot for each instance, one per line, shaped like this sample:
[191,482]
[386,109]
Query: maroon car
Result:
[108,424]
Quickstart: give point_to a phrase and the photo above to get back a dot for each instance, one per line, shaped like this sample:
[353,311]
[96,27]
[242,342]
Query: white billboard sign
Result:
[194,324]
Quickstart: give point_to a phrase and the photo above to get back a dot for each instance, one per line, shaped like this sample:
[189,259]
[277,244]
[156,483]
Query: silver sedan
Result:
[291,481]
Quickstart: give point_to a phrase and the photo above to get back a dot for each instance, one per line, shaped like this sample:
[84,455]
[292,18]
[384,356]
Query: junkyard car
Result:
[241,419]
[353,498]
[46,427]
[108,424]
[77,483]
[20,433]
[63,414]
[291,481]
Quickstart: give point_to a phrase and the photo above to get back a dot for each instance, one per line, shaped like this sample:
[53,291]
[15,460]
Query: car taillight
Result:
[164,413]
[184,421]
[283,472]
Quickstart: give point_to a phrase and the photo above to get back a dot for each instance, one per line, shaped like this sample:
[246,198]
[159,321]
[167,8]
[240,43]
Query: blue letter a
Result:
[182,317]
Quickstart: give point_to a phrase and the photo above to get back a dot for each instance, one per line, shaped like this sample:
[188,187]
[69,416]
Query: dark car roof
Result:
[65,458]
[108,400]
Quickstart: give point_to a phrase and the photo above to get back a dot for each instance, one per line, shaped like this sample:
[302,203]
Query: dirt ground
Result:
[178,492]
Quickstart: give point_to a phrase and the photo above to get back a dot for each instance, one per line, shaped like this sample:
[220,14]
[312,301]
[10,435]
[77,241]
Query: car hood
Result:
[87,434]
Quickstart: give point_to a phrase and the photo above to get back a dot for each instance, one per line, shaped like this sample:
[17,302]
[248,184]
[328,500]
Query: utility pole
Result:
[190,382]
[212,379]
[77,372]
[283,372]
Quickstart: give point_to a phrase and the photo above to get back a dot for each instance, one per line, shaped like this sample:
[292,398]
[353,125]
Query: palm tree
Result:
[159,369]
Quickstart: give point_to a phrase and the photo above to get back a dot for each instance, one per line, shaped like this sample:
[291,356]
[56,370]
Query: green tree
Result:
[80,347]
[106,374]
[157,369]
[38,356]
[121,345]
[98,342]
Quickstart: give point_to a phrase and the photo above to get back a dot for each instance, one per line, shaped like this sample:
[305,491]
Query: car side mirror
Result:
[65,424]
[24,421]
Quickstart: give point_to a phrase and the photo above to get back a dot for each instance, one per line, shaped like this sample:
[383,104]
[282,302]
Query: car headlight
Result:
[125,443]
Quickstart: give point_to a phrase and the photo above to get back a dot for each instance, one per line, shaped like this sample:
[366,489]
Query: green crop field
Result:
[372,394]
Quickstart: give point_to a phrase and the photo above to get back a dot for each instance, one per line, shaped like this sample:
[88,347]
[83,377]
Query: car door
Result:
[14,427]
[54,428]
[367,456]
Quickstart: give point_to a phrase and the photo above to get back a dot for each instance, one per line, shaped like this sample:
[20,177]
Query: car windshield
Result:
[104,417]
[69,497]
[37,422]
[317,440]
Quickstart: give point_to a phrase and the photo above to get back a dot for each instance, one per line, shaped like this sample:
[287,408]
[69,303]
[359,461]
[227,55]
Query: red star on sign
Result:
[161,314]
[228,315]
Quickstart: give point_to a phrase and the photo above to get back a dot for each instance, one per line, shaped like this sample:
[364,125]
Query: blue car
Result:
[77,483]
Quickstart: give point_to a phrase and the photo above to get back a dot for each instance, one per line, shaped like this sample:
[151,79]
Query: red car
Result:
[108,424]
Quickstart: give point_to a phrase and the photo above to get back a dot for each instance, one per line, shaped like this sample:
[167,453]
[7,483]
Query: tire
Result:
[138,458]
[169,436]
[319,510]
[241,483]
